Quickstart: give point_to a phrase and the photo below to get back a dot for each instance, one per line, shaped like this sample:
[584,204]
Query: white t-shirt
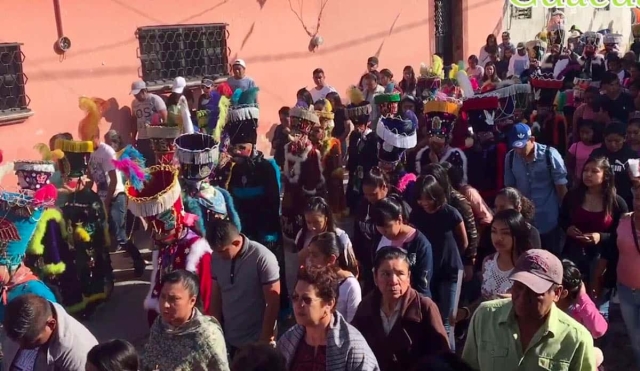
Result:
[316,94]
[349,297]
[100,164]
[144,111]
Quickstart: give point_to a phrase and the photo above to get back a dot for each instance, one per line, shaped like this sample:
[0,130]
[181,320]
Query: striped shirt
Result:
[347,350]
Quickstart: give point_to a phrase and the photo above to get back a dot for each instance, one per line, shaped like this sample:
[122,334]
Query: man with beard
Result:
[556,40]
[548,338]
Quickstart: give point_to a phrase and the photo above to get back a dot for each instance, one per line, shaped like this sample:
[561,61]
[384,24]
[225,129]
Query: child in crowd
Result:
[327,249]
[589,138]
[318,219]
[281,136]
[575,301]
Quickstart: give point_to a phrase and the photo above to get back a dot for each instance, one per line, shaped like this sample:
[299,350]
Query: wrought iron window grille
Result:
[191,51]
[521,13]
[14,101]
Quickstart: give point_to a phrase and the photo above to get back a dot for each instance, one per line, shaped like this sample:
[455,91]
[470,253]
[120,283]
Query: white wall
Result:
[585,19]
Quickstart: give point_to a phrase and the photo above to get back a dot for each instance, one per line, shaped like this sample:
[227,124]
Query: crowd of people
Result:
[489,202]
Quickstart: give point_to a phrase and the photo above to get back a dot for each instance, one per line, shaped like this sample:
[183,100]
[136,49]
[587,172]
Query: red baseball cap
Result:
[538,270]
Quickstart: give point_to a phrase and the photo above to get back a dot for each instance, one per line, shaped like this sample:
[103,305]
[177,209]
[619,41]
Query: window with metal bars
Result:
[14,101]
[191,51]
[521,13]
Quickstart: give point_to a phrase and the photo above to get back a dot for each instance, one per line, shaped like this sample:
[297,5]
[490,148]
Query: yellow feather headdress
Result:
[47,154]
[355,95]
[88,128]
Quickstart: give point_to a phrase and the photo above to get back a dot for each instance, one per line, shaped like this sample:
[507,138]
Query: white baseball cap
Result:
[240,62]
[137,86]
[179,83]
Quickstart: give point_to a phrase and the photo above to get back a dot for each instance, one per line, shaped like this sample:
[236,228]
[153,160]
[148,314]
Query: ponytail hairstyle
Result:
[389,209]
[329,243]
[377,178]
[316,205]
[571,279]
[527,209]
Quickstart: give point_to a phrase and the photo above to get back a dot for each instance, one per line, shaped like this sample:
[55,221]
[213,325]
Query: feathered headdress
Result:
[88,128]
[355,95]
[133,166]
[47,154]
[243,116]
[437,67]
[453,72]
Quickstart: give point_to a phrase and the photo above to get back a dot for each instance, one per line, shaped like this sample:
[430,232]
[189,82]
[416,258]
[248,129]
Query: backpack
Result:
[547,155]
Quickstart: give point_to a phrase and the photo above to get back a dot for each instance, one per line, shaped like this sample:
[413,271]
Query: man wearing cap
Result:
[538,171]
[239,80]
[527,331]
[143,108]
[519,62]
[506,44]
[372,67]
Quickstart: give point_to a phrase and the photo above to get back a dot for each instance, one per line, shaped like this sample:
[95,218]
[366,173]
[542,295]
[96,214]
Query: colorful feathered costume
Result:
[212,118]
[396,134]
[254,181]
[485,164]
[303,171]
[441,116]
[331,151]
[430,78]
[163,134]
[362,146]
[548,116]
[88,276]
[198,156]
[158,200]
[50,233]
[20,215]
[592,62]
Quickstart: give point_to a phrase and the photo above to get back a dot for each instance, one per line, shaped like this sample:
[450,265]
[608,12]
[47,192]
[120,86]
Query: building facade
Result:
[41,85]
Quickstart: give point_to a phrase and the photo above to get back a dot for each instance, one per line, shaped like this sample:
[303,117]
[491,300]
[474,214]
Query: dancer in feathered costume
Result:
[43,253]
[198,157]
[303,172]
[254,181]
[155,195]
[86,221]
[362,146]
[441,115]
[592,62]
[214,114]
[430,78]
[485,157]
[556,34]
[20,215]
[396,134]
[548,116]
[331,152]
[162,136]
[385,104]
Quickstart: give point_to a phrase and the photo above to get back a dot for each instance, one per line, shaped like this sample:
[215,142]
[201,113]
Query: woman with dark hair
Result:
[443,226]
[114,355]
[401,326]
[303,96]
[490,48]
[327,250]
[589,216]
[342,124]
[510,239]
[182,337]
[322,339]
[481,211]
[375,187]
[490,75]
[318,219]
[509,199]
[408,82]
[391,218]
[460,203]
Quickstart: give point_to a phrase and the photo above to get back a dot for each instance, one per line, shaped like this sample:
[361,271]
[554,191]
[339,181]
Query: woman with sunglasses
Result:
[401,326]
[322,339]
